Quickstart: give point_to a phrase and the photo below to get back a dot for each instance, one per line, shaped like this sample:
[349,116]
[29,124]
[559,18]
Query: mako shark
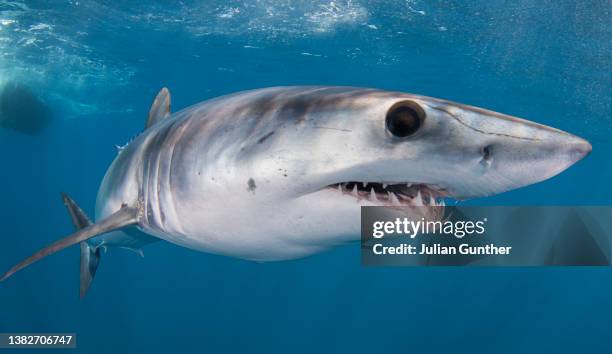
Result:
[280,173]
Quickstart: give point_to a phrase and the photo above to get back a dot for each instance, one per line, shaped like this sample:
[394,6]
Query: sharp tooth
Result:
[441,203]
[385,185]
[418,199]
[373,195]
[355,190]
[365,184]
[339,187]
[394,199]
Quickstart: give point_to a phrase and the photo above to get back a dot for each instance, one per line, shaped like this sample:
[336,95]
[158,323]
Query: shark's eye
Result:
[404,119]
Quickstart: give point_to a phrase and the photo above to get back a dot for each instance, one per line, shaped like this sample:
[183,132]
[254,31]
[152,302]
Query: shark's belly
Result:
[260,231]
[259,242]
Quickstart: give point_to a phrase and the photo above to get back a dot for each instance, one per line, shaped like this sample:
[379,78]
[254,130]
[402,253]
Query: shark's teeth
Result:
[394,199]
[418,199]
[399,194]
[373,195]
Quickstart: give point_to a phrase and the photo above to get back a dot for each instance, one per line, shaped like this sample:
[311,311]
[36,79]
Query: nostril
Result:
[487,156]
[486,152]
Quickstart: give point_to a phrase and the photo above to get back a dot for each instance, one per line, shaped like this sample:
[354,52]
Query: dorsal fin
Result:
[160,108]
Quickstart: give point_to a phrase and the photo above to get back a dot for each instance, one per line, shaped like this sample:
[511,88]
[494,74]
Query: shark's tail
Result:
[90,255]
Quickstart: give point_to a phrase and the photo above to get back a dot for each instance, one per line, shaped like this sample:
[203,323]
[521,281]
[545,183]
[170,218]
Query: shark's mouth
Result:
[396,194]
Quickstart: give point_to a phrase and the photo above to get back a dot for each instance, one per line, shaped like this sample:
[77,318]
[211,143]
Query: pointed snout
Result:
[557,145]
[530,153]
[511,152]
[578,148]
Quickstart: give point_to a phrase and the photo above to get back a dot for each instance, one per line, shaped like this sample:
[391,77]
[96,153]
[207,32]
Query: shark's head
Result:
[381,148]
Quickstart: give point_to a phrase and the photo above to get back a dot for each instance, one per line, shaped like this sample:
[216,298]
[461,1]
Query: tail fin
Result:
[90,255]
[121,218]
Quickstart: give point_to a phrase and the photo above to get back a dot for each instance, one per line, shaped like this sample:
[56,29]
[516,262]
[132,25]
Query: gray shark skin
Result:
[280,173]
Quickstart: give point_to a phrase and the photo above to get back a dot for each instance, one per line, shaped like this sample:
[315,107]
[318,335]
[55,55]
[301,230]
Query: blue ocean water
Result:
[98,65]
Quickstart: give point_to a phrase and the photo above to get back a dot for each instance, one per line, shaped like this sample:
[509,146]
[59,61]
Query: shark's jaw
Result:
[391,194]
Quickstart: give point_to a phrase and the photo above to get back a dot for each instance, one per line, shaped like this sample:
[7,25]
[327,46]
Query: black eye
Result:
[403,120]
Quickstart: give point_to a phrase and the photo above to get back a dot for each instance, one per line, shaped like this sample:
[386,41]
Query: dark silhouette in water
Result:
[22,110]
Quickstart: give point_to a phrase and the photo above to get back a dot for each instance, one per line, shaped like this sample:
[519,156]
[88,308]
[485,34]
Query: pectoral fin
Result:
[123,217]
